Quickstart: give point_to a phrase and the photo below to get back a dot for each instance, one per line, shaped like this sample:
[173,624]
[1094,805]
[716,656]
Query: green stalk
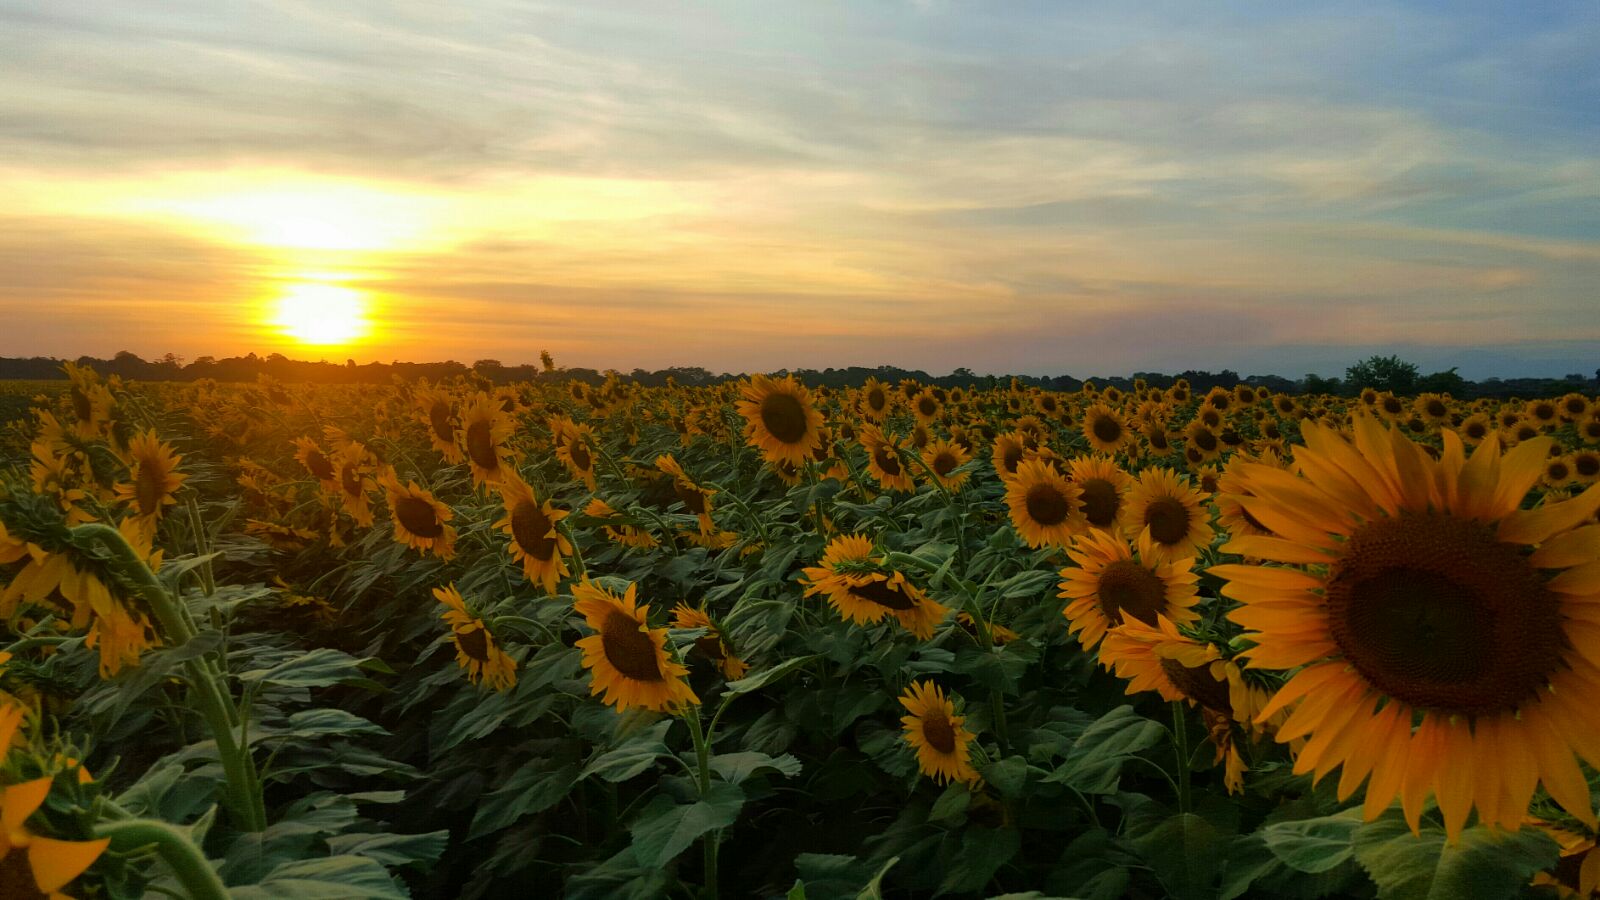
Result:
[214,703]
[1180,742]
[702,752]
[200,881]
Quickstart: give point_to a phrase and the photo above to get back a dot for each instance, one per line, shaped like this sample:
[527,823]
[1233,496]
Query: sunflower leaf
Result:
[736,767]
[665,829]
[633,757]
[1313,845]
[766,676]
[1425,867]
[1095,761]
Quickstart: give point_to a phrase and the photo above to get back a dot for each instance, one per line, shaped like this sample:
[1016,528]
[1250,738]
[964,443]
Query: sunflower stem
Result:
[1180,742]
[702,752]
[580,570]
[200,881]
[215,704]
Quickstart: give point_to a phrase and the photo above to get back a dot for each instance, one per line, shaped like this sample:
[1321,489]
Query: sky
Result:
[1039,188]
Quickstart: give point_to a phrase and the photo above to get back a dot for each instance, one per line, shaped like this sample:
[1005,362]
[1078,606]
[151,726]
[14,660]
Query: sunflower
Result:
[52,863]
[883,459]
[438,414]
[1435,651]
[1586,466]
[1104,485]
[1574,407]
[308,454]
[1558,472]
[536,542]
[943,745]
[53,476]
[1231,513]
[626,535]
[1433,408]
[926,406]
[155,476]
[1110,585]
[419,519]
[874,400]
[943,458]
[350,463]
[780,419]
[575,453]
[627,658]
[91,401]
[1165,506]
[1008,453]
[476,649]
[1046,508]
[119,633]
[485,428]
[1576,875]
[862,591]
[1474,428]
[1202,441]
[714,645]
[696,499]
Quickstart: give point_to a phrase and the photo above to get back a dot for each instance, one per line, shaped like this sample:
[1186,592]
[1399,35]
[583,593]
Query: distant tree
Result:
[1316,384]
[1446,382]
[1385,373]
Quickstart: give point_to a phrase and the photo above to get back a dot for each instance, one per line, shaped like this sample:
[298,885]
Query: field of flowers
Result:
[759,640]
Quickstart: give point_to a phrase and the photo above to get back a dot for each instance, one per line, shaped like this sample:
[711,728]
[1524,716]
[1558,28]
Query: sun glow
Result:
[322,314]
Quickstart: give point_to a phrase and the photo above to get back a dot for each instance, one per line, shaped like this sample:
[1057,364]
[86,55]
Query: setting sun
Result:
[321,314]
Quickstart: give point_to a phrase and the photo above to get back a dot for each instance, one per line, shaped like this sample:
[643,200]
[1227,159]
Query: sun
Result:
[322,314]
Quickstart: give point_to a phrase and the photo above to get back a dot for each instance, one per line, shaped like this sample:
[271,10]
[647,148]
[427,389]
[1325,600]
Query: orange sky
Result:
[917,184]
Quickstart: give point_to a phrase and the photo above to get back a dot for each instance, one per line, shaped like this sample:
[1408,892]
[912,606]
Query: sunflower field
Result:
[759,640]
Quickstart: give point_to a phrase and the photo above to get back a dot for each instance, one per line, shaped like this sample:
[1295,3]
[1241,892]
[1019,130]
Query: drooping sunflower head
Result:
[1164,506]
[714,645]
[780,419]
[863,590]
[883,459]
[627,659]
[536,542]
[420,521]
[308,454]
[477,651]
[1162,659]
[937,734]
[156,478]
[1110,583]
[576,453]
[1431,640]
[1046,508]
[439,417]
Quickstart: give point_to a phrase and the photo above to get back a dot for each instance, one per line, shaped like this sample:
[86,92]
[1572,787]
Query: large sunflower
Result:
[780,418]
[714,645]
[476,649]
[1164,505]
[1104,485]
[1111,585]
[861,590]
[883,459]
[943,745]
[628,659]
[1045,507]
[156,478]
[439,414]
[1437,651]
[485,428]
[420,521]
[536,542]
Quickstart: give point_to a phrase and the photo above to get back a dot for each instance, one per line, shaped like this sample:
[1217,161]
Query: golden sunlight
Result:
[321,314]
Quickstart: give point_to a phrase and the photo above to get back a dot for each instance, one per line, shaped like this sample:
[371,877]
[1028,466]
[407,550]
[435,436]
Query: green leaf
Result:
[633,757]
[1008,775]
[874,888]
[321,667]
[983,851]
[1482,865]
[330,878]
[531,789]
[953,802]
[1186,853]
[392,849]
[832,876]
[764,677]
[666,828]
[329,721]
[1096,758]
[736,767]
[1313,845]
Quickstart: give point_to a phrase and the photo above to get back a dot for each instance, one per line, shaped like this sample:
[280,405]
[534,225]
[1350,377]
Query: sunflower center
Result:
[938,732]
[474,643]
[1100,501]
[886,459]
[1205,440]
[439,418]
[1168,520]
[692,500]
[1127,588]
[1477,431]
[1199,685]
[784,417]
[531,527]
[480,446]
[1392,406]
[1047,505]
[418,517]
[927,406]
[319,466]
[876,399]
[944,463]
[1012,458]
[1587,464]
[147,490]
[350,479]
[628,649]
[81,407]
[1437,409]
[1558,471]
[1107,429]
[1433,611]
[580,456]
[885,594]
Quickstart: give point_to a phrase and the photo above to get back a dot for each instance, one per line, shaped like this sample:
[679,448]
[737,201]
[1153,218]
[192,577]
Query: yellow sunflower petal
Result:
[55,863]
